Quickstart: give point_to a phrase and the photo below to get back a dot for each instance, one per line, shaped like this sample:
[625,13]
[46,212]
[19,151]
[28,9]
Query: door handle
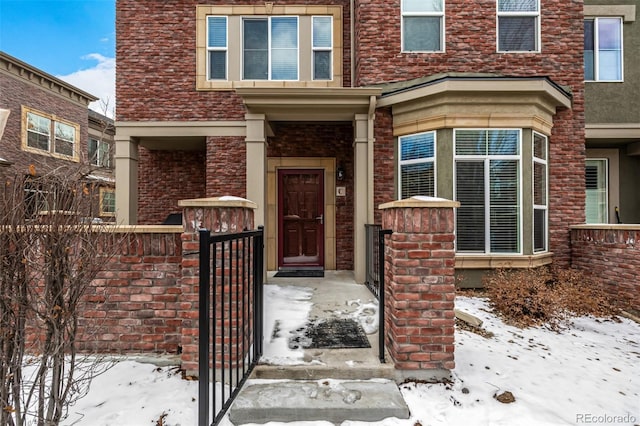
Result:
[321,219]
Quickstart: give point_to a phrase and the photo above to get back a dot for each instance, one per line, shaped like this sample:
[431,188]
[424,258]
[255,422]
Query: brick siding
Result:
[612,255]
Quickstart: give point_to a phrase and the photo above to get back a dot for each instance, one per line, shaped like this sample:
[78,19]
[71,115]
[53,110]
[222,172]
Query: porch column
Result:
[257,164]
[361,194]
[218,215]
[126,159]
[420,286]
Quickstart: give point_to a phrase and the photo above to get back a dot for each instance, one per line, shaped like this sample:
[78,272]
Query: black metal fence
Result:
[374,278]
[230,318]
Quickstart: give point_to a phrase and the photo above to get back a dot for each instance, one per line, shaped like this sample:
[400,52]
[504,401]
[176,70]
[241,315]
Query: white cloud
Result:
[99,80]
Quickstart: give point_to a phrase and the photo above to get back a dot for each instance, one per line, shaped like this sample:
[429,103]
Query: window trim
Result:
[269,47]
[442,16]
[535,206]
[235,13]
[321,49]
[53,119]
[487,205]
[538,33]
[596,50]
[218,49]
[104,191]
[432,160]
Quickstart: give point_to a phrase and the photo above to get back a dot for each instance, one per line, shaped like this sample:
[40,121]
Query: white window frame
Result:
[424,160]
[224,49]
[441,15]
[99,159]
[320,49]
[605,160]
[596,50]
[544,162]
[537,15]
[270,47]
[487,193]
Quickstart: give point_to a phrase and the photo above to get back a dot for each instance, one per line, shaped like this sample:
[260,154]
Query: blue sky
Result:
[73,40]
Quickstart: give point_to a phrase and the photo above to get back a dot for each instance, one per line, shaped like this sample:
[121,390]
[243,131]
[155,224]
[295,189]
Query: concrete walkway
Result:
[339,384]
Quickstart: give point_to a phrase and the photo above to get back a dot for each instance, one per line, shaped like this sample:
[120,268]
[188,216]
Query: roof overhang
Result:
[450,102]
[308,104]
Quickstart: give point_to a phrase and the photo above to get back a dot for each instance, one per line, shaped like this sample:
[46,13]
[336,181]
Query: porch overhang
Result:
[307,104]
[455,101]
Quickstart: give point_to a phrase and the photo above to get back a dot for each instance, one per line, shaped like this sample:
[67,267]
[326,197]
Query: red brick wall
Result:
[164,178]
[16,94]
[612,256]
[383,161]
[156,57]
[226,172]
[132,306]
[420,287]
[324,140]
[470,38]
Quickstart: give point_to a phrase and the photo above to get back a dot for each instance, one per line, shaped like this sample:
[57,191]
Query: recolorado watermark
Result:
[603,419]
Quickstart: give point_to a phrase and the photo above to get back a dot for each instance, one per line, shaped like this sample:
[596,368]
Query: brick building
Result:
[320,111]
[48,126]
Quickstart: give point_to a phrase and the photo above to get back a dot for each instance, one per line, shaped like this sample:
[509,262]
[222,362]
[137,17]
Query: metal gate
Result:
[230,318]
[375,275]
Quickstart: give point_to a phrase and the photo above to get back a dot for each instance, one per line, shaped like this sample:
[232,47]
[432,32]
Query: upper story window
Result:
[99,153]
[422,25]
[44,133]
[603,49]
[270,48]
[300,46]
[417,159]
[518,25]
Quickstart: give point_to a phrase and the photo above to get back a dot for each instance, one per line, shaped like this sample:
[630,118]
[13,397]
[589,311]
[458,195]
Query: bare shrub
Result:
[48,258]
[545,296]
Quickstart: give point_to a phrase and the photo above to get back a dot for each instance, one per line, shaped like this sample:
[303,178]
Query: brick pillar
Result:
[218,215]
[420,286]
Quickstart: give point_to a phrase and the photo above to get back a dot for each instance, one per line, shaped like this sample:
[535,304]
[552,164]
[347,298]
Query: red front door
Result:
[300,218]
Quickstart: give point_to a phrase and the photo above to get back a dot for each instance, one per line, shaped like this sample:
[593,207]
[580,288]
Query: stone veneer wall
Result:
[611,253]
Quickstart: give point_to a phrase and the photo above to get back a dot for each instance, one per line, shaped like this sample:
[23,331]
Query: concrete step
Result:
[330,400]
[348,370]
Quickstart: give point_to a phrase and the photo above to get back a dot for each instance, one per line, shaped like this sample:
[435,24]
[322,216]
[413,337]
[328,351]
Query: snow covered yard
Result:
[588,374]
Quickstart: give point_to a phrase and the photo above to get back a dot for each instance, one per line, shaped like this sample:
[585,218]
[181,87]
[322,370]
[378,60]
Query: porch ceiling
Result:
[308,104]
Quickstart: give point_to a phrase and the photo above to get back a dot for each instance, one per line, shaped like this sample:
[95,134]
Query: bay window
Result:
[417,164]
[488,187]
[540,192]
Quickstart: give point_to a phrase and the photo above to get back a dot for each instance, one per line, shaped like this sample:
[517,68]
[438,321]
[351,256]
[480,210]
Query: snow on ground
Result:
[588,374]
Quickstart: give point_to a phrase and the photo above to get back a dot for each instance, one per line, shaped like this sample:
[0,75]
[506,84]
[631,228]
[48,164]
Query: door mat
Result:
[334,333]
[300,273]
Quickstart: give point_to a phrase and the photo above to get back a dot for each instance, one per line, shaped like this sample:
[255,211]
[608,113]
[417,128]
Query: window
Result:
[99,153]
[270,48]
[518,25]
[603,49]
[422,25]
[44,133]
[107,202]
[540,191]
[296,45]
[322,45]
[597,200]
[41,194]
[417,165]
[487,185]
[217,47]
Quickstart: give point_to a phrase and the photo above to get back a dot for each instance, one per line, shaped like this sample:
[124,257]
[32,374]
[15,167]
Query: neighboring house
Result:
[48,126]
[320,112]
[612,111]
